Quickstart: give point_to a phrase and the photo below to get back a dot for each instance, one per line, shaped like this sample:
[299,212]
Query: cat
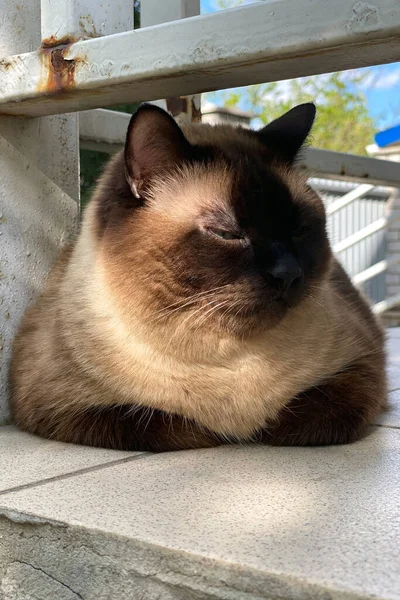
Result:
[201,303]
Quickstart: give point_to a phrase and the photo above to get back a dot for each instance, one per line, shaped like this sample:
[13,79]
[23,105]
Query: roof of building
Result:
[388,137]
[208,107]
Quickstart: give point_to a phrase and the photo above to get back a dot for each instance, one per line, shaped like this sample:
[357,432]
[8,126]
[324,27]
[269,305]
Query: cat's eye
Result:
[225,235]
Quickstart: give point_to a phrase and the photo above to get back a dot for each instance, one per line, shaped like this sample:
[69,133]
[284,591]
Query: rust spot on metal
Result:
[53,42]
[5,64]
[88,28]
[57,72]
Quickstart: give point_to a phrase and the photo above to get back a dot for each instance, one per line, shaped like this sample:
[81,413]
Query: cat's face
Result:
[215,228]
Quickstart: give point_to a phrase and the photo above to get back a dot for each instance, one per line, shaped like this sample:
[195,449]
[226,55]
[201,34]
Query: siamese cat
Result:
[201,303]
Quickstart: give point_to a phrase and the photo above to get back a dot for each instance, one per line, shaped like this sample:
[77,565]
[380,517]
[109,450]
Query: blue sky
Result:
[382,86]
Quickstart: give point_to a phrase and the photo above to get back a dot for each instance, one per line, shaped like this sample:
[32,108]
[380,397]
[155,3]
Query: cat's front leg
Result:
[122,427]
[337,411]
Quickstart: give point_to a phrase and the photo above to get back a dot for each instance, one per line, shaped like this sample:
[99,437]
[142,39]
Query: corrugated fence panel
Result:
[351,219]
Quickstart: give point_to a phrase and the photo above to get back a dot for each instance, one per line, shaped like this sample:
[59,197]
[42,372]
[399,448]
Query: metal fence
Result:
[347,225]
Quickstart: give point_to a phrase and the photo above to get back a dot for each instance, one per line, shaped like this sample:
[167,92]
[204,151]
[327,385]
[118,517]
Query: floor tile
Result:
[325,517]
[26,458]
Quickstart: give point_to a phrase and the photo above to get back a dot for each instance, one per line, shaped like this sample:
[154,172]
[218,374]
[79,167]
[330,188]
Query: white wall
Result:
[39,190]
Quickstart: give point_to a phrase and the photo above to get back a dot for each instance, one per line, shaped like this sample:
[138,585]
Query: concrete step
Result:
[234,523]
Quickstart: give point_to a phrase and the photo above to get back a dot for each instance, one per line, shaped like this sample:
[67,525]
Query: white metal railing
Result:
[385,305]
[265,41]
[365,233]
[348,198]
[376,269]
[82,65]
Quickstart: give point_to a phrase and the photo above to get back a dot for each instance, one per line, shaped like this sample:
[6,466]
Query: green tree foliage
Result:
[343,120]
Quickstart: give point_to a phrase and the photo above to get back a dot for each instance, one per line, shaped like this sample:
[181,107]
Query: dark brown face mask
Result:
[265,245]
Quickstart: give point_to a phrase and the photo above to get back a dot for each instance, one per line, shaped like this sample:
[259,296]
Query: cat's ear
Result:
[154,143]
[287,134]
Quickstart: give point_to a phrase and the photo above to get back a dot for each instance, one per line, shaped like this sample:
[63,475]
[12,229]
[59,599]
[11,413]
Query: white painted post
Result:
[39,158]
[39,189]
[153,12]
[64,21]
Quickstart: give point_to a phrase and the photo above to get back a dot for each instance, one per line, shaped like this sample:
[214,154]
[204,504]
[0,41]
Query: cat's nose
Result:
[286,270]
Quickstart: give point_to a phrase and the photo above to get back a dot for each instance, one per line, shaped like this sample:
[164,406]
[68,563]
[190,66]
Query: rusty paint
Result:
[57,72]
[53,42]
[88,28]
[5,64]
[343,172]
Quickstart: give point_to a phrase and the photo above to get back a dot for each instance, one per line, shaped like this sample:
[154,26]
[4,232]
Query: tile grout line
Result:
[92,469]
[386,426]
[107,465]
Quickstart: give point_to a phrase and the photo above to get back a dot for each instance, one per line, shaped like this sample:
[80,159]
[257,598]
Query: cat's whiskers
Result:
[318,302]
[347,302]
[205,315]
[186,322]
[165,312]
[241,306]
[197,295]
[151,413]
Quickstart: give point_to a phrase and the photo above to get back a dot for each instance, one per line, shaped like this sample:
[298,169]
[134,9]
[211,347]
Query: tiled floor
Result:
[231,523]
[27,459]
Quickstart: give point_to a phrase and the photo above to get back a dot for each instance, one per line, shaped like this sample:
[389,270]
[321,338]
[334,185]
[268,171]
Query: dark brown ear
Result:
[154,143]
[287,134]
